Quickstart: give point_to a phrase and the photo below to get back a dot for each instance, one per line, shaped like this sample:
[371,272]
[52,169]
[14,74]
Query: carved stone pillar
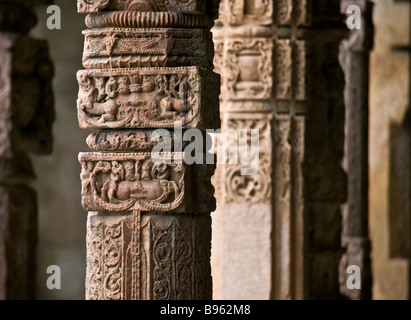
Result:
[280,228]
[149,227]
[26,116]
[354,55]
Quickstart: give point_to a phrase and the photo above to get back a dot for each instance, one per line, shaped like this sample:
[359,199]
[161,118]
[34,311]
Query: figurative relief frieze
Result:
[123,182]
[146,98]
[147,47]
[130,141]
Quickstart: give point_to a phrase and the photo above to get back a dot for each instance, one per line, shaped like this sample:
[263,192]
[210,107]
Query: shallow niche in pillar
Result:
[121,182]
[147,98]
[248,69]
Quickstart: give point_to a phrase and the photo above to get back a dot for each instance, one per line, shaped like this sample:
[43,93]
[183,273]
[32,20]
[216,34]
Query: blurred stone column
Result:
[26,116]
[276,233]
[355,55]
[149,66]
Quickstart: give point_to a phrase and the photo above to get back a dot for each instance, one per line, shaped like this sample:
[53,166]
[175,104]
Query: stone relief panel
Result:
[256,12]
[248,69]
[148,98]
[121,182]
[132,141]
[147,47]
[169,261]
[256,187]
[129,140]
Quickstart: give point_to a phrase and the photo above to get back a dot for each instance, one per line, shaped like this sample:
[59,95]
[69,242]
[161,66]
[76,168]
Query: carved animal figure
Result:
[107,110]
[169,106]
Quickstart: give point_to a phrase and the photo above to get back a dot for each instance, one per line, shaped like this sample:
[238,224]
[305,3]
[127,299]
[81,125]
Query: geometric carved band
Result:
[147,47]
[127,19]
[148,98]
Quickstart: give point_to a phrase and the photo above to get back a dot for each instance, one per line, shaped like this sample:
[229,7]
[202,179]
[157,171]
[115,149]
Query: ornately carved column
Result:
[26,116]
[280,228]
[148,66]
[355,53]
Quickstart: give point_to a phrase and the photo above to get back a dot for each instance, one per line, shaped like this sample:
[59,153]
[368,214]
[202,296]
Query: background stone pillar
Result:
[280,229]
[354,56]
[149,228]
[26,116]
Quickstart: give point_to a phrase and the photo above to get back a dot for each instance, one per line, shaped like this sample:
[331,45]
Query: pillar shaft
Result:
[148,66]
[280,74]
[26,116]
